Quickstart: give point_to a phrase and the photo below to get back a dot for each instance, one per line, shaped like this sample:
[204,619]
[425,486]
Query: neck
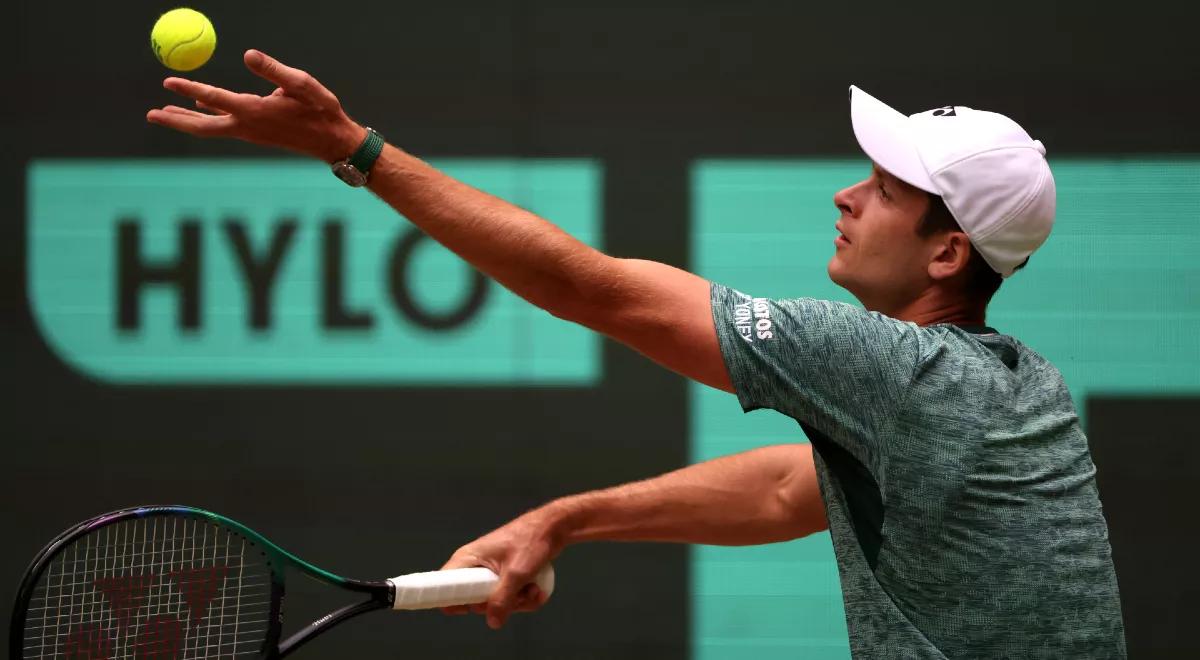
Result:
[934,306]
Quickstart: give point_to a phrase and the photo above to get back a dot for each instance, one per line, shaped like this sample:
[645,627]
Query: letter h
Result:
[134,272]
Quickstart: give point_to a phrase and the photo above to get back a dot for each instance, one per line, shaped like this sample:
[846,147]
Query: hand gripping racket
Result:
[169,582]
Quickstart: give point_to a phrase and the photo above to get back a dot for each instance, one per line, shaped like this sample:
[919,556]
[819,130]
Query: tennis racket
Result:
[174,582]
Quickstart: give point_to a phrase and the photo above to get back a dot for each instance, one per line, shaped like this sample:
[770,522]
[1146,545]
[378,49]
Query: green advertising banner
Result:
[1113,299]
[263,271]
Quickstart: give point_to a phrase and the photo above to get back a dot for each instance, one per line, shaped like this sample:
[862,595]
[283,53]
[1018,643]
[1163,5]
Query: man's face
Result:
[879,257]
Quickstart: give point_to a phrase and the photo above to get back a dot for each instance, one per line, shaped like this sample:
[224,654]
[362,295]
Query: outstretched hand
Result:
[301,115]
[515,552]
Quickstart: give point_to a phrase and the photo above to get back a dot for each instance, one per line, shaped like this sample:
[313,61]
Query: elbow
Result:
[594,298]
[800,519]
[798,496]
[809,522]
[570,301]
[569,304]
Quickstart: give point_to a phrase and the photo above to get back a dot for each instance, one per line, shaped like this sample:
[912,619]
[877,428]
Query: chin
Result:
[834,269]
[839,276]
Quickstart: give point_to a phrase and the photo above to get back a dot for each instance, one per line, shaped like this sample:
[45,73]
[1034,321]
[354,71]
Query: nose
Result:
[844,200]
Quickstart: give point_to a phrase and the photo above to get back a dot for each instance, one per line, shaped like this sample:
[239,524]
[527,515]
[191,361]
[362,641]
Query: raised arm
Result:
[760,496]
[661,311]
[658,310]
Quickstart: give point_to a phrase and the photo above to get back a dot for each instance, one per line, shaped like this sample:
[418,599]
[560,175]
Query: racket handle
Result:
[457,586]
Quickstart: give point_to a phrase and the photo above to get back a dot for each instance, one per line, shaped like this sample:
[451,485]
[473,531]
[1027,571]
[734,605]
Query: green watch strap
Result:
[368,152]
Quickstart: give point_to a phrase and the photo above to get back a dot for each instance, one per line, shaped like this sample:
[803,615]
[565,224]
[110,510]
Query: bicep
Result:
[663,313]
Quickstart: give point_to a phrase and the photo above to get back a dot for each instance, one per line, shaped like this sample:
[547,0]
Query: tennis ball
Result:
[183,39]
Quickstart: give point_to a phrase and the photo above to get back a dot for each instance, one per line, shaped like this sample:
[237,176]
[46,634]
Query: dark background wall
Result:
[643,88]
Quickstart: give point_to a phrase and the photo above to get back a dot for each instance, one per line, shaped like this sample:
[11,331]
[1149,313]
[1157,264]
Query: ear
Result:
[951,253]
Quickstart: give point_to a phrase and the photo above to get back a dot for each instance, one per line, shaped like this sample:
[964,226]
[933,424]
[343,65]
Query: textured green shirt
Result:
[960,492]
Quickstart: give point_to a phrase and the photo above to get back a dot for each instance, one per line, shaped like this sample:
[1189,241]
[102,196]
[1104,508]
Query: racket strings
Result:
[152,587]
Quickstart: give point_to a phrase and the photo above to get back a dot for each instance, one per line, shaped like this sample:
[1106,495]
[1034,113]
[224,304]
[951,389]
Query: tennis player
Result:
[946,458]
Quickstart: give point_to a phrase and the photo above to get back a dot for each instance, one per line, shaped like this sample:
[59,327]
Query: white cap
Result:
[993,177]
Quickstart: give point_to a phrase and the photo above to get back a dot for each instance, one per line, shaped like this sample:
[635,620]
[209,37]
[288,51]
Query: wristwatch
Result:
[355,169]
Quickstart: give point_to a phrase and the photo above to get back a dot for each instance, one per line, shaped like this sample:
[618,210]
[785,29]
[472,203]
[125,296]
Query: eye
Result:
[883,192]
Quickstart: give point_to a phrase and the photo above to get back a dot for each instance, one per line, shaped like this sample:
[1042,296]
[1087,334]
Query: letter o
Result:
[402,296]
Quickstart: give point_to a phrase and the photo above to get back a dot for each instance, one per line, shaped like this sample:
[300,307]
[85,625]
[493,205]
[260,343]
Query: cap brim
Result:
[886,136]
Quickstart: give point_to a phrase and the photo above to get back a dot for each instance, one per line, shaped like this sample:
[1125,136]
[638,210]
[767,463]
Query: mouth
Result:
[840,240]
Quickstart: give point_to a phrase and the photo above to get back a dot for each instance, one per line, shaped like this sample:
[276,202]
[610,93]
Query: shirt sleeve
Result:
[835,367]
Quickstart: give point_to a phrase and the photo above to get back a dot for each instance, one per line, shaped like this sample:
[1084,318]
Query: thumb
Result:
[461,561]
[294,81]
[254,59]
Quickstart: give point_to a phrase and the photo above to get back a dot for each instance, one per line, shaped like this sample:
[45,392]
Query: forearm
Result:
[760,496]
[530,256]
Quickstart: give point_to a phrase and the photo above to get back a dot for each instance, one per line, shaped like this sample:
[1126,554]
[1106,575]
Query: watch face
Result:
[348,173]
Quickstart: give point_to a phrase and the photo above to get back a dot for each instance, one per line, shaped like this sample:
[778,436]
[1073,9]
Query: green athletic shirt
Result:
[960,492]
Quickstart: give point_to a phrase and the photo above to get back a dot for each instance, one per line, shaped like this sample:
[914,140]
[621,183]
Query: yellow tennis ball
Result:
[183,39]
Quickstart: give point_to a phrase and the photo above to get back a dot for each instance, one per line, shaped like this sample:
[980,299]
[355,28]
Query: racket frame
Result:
[380,594]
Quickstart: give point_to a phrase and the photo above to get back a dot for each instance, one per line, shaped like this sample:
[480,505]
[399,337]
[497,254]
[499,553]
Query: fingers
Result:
[213,97]
[216,111]
[183,111]
[527,599]
[293,81]
[506,597]
[476,608]
[531,598]
[273,70]
[192,122]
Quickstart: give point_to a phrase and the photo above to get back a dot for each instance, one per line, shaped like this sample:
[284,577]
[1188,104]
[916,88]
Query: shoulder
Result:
[948,340]
[987,355]
[803,313]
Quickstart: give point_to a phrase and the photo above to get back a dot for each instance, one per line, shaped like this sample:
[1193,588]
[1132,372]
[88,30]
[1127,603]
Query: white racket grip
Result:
[457,586]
